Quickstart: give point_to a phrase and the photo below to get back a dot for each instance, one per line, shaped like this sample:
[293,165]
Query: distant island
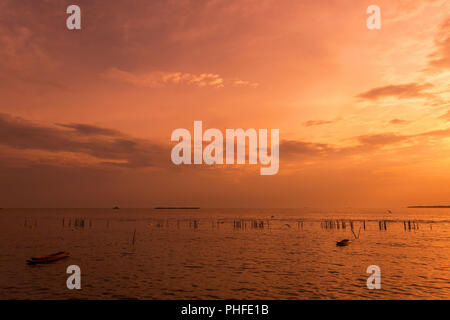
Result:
[171,208]
[428,206]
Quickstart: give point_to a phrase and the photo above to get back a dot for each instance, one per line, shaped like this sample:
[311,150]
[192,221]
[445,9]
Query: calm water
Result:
[212,254]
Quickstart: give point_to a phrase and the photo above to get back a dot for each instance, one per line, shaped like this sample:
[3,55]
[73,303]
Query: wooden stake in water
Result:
[134,237]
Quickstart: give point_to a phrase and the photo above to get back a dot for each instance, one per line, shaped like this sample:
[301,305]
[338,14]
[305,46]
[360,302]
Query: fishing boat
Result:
[343,243]
[49,258]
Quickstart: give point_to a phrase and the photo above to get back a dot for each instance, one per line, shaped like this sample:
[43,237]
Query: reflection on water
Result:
[226,253]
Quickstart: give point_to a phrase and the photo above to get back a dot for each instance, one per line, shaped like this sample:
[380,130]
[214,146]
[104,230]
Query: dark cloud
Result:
[115,149]
[292,147]
[90,130]
[365,143]
[104,144]
[401,91]
[381,139]
[311,123]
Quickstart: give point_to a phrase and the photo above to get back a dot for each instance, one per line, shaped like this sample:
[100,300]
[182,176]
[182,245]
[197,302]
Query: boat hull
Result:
[49,258]
[343,243]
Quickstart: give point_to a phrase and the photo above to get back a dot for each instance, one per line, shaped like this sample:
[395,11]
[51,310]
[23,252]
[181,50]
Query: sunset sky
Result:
[86,115]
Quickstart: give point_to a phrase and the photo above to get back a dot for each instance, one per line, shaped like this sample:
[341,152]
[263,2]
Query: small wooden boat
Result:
[49,258]
[343,243]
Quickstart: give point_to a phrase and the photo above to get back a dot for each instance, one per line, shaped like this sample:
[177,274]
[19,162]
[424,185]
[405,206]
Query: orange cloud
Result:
[398,121]
[311,123]
[162,79]
[441,57]
[445,116]
[401,91]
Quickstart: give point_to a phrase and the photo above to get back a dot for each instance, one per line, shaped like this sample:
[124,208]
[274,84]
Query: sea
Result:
[225,253]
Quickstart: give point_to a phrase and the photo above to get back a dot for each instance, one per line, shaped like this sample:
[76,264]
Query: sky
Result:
[86,115]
